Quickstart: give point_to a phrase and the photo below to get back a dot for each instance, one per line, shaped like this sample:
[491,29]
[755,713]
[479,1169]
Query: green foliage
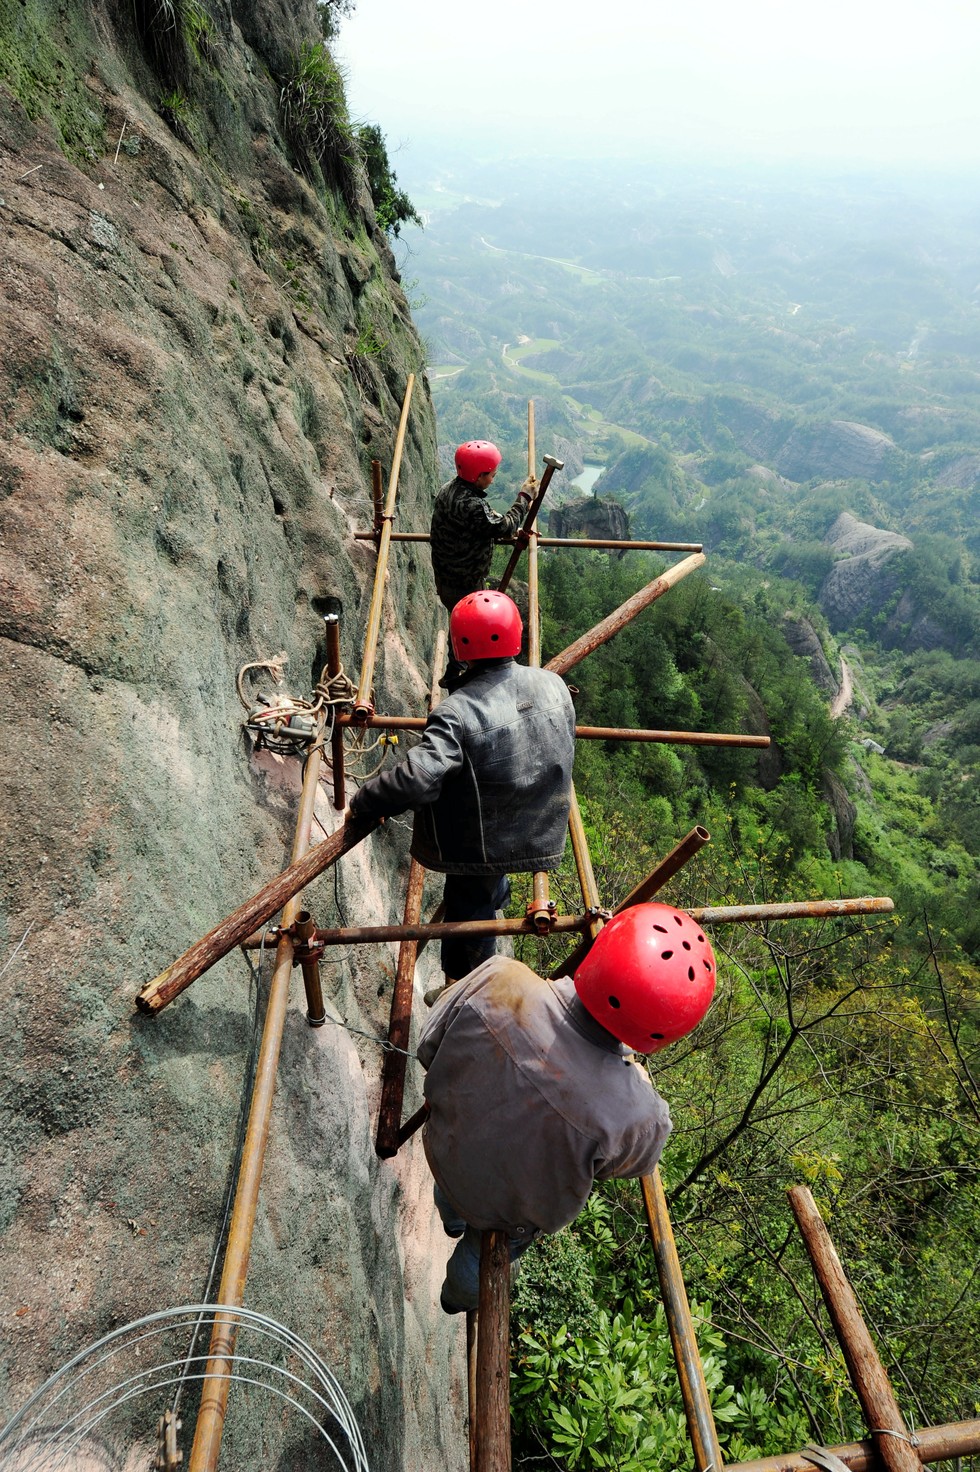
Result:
[313,104]
[330,14]
[199,31]
[392,205]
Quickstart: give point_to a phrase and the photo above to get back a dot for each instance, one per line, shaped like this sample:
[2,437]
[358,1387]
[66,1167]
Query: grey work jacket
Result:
[530,1100]
[490,781]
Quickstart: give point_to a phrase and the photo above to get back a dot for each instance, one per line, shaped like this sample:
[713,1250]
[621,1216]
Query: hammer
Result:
[551,465]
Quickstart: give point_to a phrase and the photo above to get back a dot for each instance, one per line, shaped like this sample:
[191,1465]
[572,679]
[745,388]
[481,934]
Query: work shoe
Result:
[449,1305]
[435,992]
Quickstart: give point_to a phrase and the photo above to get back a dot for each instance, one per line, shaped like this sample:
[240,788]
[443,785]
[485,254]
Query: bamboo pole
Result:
[236,927]
[585,733]
[493,1356]
[541,909]
[332,623]
[532,458]
[868,1375]
[217,1382]
[804,910]
[934,1444]
[694,1390]
[624,614]
[363,704]
[605,543]
[679,855]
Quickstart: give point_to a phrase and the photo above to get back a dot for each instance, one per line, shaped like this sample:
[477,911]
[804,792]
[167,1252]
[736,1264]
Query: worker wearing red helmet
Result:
[490,781]
[531,1091]
[465,526]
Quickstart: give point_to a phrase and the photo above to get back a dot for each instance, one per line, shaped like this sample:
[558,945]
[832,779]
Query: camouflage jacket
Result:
[464,529]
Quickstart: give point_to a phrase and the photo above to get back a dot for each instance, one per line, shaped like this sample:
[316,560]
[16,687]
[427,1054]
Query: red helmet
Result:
[475,457]
[649,977]
[485,626]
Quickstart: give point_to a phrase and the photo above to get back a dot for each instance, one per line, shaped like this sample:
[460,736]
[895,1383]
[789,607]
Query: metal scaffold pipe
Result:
[217,1381]
[332,625]
[363,704]
[933,1444]
[588,733]
[608,544]
[602,632]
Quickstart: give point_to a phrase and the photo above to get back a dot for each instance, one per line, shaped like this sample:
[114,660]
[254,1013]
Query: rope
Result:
[383,1043]
[912,1440]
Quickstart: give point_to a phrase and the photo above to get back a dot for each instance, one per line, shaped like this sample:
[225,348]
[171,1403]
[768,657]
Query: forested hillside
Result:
[784,369]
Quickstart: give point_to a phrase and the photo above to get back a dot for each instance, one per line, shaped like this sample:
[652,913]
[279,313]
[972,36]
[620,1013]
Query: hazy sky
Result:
[878,80]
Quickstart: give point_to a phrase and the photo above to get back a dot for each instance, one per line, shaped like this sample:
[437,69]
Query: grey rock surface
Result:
[860,580]
[192,393]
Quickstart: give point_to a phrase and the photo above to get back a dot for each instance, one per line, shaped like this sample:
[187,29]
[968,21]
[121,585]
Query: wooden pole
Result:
[935,1444]
[694,1390]
[868,1376]
[624,614]
[471,1338]
[493,1356]
[363,704]
[666,869]
[217,1381]
[240,924]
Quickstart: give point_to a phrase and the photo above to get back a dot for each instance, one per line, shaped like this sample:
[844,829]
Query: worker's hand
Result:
[528,489]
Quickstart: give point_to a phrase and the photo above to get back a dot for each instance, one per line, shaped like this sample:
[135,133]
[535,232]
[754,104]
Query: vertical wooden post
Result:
[694,1391]
[493,1356]
[868,1376]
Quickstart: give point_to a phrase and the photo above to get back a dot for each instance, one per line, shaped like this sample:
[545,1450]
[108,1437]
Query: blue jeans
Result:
[471,897]
[462,1286]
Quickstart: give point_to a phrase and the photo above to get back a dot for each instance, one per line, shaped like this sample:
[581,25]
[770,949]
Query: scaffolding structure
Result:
[299,941]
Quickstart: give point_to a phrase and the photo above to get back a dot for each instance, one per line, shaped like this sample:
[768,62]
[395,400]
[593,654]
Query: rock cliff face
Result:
[202,347]
[591,517]
[860,580]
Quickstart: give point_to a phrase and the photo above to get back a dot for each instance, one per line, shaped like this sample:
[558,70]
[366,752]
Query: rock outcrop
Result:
[600,517]
[202,347]
[860,581]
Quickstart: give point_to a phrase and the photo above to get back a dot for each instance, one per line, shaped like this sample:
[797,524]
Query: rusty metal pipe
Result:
[362,934]
[694,1391]
[234,928]
[399,1024]
[864,1366]
[934,1444]
[415,1122]
[363,705]
[493,1356]
[586,733]
[605,543]
[332,625]
[316,1013]
[551,465]
[217,1383]
[666,869]
[616,621]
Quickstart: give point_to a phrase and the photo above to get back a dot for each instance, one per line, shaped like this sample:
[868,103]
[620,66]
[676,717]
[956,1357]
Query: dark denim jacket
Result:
[490,781]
